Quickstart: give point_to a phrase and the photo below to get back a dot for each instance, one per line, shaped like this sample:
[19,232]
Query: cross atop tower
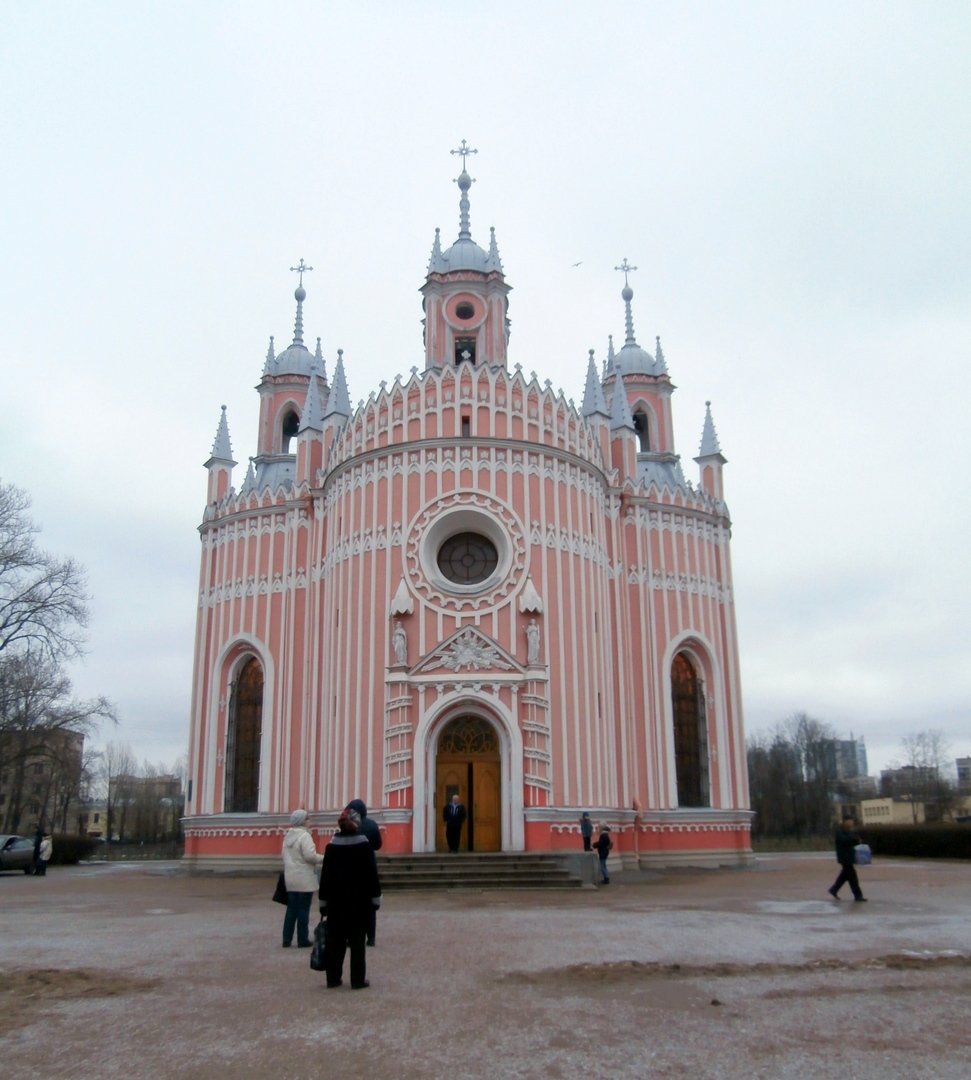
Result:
[464,150]
[627,268]
[301,269]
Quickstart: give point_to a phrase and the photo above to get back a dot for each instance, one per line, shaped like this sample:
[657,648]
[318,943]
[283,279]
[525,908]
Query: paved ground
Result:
[138,970]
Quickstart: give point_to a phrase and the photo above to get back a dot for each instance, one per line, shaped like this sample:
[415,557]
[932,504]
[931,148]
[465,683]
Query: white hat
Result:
[298,817]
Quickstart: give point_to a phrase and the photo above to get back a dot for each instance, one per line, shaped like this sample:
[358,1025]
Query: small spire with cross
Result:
[301,270]
[627,294]
[464,182]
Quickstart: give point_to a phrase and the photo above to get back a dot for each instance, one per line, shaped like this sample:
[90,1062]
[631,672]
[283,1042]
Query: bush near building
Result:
[920,841]
[69,850]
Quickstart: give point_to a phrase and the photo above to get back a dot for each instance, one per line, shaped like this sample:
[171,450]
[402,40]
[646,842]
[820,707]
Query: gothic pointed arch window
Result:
[243,740]
[690,733]
[643,429]
[288,431]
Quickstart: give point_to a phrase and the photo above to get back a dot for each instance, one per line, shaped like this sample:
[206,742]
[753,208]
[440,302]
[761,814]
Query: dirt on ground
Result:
[142,970]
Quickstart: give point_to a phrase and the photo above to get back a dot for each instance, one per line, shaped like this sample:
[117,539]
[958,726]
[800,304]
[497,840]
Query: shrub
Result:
[69,850]
[919,841]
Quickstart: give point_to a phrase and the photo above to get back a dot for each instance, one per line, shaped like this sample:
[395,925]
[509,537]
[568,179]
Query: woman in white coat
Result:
[301,869]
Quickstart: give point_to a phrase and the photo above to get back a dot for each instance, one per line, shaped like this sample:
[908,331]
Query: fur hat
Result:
[298,817]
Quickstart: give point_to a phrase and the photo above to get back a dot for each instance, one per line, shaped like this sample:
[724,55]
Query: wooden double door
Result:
[468,765]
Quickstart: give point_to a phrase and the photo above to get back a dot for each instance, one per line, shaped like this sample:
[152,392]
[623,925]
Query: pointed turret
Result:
[594,402]
[338,400]
[660,366]
[312,417]
[270,359]
[710,458]
[319,364]
[249,483]
[220,463]
[620,414]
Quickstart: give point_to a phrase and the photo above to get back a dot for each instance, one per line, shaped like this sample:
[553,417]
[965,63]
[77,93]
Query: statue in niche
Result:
[400,643]
[532,642]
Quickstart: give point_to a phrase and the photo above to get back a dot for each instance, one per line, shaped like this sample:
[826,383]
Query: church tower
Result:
[466,585]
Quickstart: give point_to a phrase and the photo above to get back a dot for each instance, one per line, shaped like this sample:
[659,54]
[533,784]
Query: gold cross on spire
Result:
[301,270]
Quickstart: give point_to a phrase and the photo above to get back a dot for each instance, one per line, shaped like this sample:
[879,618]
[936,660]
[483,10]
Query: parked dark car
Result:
[16,853]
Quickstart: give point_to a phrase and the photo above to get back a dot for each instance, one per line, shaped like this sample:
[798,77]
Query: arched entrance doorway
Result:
[690,733]
[243,740]
[467,764]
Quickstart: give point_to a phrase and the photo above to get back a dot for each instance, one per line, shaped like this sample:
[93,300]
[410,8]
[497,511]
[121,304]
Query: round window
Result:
[464,311]
[468,558]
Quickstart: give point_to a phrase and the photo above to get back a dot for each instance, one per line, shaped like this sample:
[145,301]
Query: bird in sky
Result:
[576,264]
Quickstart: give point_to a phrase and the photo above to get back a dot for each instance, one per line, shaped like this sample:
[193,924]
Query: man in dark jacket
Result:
[454,816]
[846,841]
[349,889]
[372,831]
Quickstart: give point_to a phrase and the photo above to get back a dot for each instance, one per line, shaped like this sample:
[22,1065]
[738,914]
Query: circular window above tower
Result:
[468,558]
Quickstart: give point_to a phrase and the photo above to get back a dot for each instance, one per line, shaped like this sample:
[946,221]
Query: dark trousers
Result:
[298,914]
[343,931]
[586,844]
[847,876]
[372,925]
[453,836]
[40,869]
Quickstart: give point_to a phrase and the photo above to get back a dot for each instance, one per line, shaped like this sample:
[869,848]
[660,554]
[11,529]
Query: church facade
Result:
[466,585]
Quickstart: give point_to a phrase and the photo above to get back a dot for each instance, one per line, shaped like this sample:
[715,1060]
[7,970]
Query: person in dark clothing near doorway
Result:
[603,846]
[846,841]
[349,888]
[454,817]
[586,830]
[372,831]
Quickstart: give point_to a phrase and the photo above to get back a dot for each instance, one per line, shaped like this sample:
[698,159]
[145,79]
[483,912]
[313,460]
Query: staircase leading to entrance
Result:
[472,870]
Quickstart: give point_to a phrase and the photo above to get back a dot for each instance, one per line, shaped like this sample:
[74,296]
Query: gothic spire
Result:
[311,417]
[593,395]
[660,365]
[270,358]
[221,448]
[319,362]
[709,438]
[620,415]
[338,401]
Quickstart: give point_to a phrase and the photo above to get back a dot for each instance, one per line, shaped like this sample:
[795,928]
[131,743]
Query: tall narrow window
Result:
[243,741]
[291,425]
[466,427]
[643,430]
[690,733]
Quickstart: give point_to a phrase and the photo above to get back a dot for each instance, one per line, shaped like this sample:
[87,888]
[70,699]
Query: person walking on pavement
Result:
[603,846]
[846,841]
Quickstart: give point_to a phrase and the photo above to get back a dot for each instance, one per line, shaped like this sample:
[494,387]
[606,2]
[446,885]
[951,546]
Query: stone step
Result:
[473,870]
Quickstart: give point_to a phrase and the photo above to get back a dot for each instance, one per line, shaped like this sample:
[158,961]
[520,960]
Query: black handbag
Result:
[318,954]
[280,892]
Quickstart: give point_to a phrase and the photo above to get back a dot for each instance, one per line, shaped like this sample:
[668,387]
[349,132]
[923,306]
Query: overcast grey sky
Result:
[793,181]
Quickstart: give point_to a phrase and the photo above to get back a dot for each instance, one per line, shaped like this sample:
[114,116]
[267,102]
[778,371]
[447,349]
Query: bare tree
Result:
[117,763]
[43,606]
[41,725]
[920,778]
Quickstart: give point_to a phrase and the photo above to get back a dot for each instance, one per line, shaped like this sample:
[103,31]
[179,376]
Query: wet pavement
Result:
[143,970]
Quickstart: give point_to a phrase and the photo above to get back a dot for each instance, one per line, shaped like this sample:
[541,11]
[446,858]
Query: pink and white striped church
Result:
[468,585]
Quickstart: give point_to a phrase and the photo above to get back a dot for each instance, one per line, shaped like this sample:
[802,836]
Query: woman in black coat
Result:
[349,891]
